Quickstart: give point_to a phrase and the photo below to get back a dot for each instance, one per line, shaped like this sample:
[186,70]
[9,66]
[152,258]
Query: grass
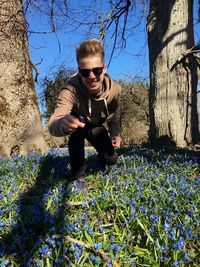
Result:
[144,212]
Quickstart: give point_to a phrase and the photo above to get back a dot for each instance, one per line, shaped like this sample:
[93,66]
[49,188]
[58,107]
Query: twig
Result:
[193,50]
[34,66]
[72,203]
[106,225]
[101,253]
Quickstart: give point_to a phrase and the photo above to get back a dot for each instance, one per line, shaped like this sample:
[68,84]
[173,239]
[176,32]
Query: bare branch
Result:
[192,51]
[111,20]
[43,32]
[114,17]
[52,16]
[197,57]
[53,28]
[34,66]
[115,41]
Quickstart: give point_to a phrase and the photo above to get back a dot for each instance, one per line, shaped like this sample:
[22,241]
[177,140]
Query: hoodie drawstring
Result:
[90,107]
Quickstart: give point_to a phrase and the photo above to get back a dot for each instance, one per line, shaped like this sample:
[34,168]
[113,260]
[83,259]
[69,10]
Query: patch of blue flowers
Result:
[144,212]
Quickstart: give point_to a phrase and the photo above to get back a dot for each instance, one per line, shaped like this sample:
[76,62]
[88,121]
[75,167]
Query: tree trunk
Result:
[173,86]
[20,121]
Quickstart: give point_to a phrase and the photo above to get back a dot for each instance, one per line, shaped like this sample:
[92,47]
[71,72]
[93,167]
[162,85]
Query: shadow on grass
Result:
[162,151]
[34,222]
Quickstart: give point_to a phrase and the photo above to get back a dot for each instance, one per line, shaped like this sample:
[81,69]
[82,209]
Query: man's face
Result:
[92,71]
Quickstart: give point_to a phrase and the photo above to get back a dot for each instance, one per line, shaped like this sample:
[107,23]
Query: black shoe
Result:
[102,166]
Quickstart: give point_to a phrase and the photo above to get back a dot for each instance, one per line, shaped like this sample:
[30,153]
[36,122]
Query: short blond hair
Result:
[90,48]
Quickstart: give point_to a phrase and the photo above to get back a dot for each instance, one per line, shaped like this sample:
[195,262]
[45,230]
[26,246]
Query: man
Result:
[85,103]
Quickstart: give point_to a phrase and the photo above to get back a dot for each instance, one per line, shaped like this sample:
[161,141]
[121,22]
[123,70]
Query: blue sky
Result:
[44,49]
[133,60]
[131,63]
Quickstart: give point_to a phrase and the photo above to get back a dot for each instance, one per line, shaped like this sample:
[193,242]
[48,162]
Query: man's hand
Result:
[69,124]
[116,141]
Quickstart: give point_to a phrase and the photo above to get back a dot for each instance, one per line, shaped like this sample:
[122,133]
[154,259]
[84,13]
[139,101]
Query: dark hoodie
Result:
[76,99]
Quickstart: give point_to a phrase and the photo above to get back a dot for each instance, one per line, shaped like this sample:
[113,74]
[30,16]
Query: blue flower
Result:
[2,224]
[59,261]
[186,257]
[4,263]
[115,248]
[165,249]
[77,254]
[45,251]
[179,244]
[142,208]
[132,202]
[101,228]
[154,219]
[164,258]
[91,258]
[97,246]
[93,200]
[176,263]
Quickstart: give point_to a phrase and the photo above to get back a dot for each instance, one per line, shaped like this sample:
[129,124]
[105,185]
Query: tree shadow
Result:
[165,149]
[34,222]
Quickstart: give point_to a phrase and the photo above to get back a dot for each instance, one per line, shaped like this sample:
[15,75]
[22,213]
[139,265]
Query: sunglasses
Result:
[86,72]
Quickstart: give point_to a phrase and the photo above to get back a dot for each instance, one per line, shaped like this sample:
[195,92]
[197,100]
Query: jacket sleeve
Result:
[113,120]
[65,103]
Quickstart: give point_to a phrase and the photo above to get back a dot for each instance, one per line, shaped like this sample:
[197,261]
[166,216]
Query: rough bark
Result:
[173,87]
[20,122]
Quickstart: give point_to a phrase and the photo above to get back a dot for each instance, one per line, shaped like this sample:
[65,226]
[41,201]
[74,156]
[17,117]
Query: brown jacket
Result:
[74,98]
